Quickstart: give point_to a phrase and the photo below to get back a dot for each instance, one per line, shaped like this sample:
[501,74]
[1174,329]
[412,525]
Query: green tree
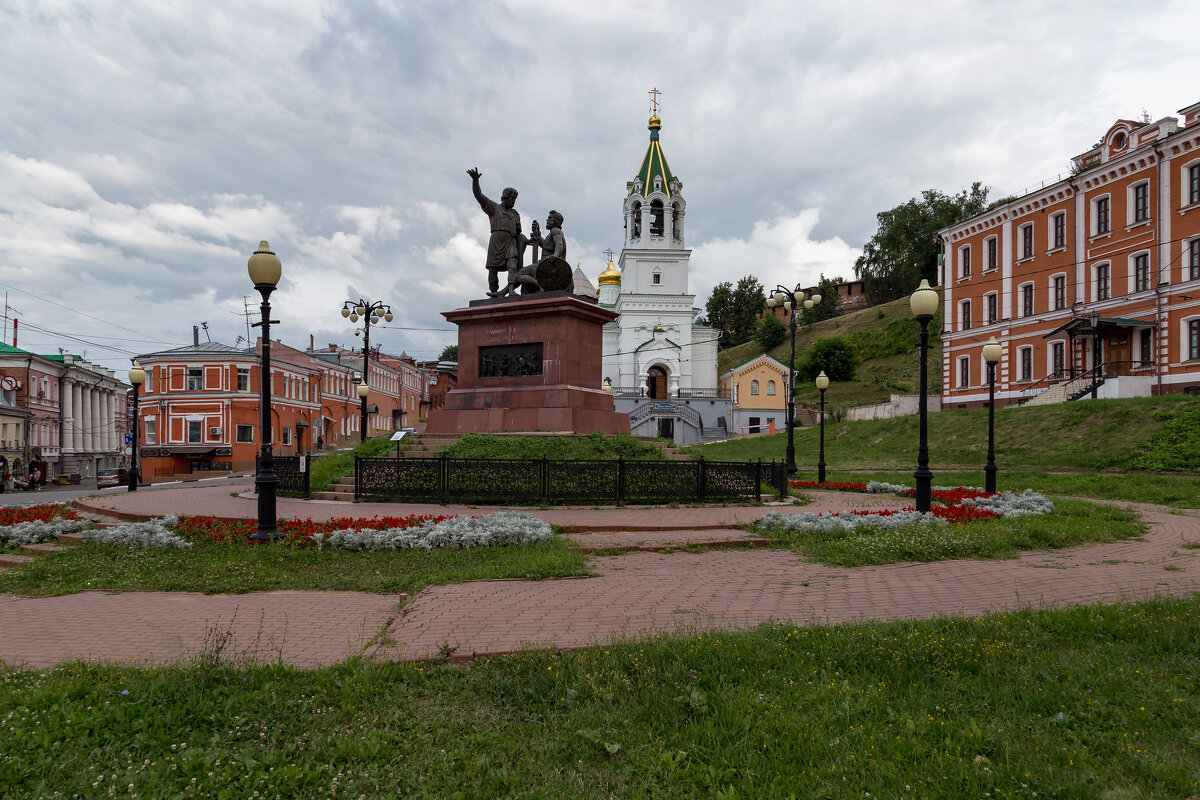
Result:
[771,332]
[905,248]
[828,308]
[449,353]
[835,355]
[734,310]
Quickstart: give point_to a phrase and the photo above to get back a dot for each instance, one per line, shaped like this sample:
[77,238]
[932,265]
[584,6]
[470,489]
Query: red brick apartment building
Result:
[199,407]
[1091,283]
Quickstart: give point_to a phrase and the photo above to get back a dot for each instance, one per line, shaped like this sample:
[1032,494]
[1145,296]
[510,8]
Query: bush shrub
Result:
[835,355]
[771,332]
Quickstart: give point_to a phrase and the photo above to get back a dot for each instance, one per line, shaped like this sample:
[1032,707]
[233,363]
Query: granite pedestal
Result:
[529,364]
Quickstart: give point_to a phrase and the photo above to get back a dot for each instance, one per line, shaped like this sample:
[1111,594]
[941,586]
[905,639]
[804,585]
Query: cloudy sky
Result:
[146,147]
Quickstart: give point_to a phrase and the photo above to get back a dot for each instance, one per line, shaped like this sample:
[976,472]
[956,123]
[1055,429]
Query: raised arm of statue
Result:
[484,202]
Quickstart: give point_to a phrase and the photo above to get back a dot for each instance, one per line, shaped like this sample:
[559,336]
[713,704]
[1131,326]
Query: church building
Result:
[660,365]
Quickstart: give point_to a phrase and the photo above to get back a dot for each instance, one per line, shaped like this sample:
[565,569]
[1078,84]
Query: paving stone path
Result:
[632,594]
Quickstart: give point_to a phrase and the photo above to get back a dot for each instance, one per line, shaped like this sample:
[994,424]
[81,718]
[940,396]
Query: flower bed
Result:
[41,513]
[300,532]
[36,524]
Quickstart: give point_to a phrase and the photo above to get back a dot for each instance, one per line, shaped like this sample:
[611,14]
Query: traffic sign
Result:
[128,451]
[128,440]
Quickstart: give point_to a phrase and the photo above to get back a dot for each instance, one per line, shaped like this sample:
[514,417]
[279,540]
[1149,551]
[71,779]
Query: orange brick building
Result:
[1091,283]
[199,408]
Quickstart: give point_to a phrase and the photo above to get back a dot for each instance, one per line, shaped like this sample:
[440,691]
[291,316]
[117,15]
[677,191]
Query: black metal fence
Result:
[551,481]
[292,474]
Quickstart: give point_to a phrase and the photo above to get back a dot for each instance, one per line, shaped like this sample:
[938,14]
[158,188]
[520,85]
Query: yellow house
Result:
[758,388]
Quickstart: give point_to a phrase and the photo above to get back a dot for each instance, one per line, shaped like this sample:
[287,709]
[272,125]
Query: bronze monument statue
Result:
[549,272]
[507,243]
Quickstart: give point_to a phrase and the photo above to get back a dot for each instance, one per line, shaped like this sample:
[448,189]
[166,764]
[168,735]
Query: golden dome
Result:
[654,123]
[610,275]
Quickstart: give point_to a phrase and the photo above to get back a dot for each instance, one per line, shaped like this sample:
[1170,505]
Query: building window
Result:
[1102,221]
[1141,272]
[1146,335]
[195,379]
[148,383]
[1102,282]
[1057,353]
[656,279]
[1194,339]
[1141,202]
[964,372]
[991,308]
[195,431]
[287,436]
[965,260]
[1194,184]
[151,430]
[753,387]
[1194,259]
[243,384]
[991,253]
[966,315]
[1027,300]
[1027,241]
[1060,230]
[1026,363]
[1060,292]
[245,434]
[770,388]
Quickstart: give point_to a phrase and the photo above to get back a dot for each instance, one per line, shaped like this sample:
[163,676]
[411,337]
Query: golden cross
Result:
[654,93]
[609,253]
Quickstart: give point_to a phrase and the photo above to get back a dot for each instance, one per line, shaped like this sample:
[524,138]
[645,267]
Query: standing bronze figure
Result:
[507,243]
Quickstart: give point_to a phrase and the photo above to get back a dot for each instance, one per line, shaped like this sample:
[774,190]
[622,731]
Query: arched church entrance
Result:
[656,383]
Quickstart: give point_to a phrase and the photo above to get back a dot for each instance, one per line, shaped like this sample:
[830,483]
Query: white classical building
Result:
[661,365]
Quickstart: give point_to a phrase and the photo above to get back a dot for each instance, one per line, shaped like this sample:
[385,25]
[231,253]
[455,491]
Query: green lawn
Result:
[1087,434]
[1092,702]
[242,568]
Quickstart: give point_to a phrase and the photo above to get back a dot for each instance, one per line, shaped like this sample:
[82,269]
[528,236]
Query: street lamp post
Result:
[991,354]
[924,304]
[1097,370]
[789,299]
[371,314]
[822,385]
[264,268]
[137,376]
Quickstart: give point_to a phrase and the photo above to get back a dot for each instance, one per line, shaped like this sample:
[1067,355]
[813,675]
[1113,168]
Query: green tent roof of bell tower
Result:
[655,164]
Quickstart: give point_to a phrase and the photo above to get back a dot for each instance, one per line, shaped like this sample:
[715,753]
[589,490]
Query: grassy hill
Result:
[1086,434]
[885,337]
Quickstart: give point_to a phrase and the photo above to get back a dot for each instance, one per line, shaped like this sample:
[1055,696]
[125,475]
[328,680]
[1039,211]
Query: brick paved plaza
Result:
[631,594]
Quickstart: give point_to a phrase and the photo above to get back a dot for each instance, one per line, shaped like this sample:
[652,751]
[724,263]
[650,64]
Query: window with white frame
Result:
[1193,335]
[753,387]
[1194,259]
[1058,356]
[1140,205]
[195,431]
[1027,240]
[148,384]
[1058,230]
[195,379]
[964,372]
[1193,183]
[1101,286]
[964,261]
[243,379]
[770,388]
[991,302]
[1101,223]
[1027,300]
[964,309]
[1059,284]
[1141,272]
[245,434]
[656,278]
[1026,360]
[151,430]
[993,259]
[287,436]
[1144,346]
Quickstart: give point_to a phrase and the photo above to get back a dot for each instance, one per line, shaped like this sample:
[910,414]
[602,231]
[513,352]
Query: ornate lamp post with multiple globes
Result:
[924,304]
[371,314]
[137,376]
[822,385]
[991,354]
[264,268]
[790,299]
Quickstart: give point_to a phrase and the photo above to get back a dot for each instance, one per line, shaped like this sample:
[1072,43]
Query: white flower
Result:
[151,533]
[501,529]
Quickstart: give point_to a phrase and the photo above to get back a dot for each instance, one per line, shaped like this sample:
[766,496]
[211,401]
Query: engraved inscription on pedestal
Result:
[510,360]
